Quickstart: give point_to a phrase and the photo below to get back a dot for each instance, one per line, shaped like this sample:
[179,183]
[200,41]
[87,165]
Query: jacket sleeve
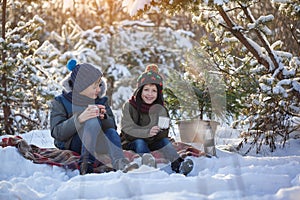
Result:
[62,126]
[130,128]
[109,121]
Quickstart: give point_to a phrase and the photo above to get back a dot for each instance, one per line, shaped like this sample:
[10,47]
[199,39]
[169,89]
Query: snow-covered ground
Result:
[227,176]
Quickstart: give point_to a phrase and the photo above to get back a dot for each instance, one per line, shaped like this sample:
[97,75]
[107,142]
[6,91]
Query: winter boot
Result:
[186,167]
[182,166]
[175,165]
[86,168]
[100,167]
[124,165]
[149,160]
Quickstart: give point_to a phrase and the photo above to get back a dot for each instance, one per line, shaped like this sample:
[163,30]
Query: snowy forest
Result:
[233,61]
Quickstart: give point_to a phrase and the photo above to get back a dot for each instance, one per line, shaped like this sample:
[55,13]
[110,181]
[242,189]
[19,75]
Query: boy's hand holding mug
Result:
[98,110]
[92,111]
[102,111]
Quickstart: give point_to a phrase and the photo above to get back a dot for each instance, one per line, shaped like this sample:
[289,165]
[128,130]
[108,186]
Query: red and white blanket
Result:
[69,159]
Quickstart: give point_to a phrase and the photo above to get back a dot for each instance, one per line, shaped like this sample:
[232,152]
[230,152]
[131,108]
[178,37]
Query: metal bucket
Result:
[200,132]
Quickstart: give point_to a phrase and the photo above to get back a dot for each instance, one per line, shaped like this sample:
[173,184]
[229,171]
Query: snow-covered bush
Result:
[262,76]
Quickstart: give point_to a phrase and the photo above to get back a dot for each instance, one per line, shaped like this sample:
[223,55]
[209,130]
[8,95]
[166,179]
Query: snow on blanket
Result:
[69,159]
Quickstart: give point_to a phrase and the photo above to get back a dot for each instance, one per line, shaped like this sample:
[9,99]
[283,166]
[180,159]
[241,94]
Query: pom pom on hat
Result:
[71,64]
[150,76]
[152,67]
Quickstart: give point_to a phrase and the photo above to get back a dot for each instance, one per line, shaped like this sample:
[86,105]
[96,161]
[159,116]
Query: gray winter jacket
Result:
[65,125]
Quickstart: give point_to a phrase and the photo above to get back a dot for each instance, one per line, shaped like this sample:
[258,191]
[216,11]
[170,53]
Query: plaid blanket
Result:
[69,159]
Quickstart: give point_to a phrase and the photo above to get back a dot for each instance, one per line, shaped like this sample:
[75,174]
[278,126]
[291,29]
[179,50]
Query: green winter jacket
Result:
[131,130]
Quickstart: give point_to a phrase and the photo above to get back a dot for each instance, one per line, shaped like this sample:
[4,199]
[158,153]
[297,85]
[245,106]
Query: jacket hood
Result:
[66,85]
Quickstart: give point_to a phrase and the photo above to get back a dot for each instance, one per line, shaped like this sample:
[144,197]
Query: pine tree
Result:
[23,96]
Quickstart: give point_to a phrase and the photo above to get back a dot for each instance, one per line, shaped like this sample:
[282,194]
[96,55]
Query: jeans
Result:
[164,145]
[91,135]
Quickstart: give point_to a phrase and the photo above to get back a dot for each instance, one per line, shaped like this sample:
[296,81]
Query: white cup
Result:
[163,122]
[95,108]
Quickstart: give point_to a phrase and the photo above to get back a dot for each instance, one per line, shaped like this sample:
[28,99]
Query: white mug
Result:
[163,122]
[95,107]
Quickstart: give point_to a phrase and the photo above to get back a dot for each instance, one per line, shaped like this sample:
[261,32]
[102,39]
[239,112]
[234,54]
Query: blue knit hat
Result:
[83,75]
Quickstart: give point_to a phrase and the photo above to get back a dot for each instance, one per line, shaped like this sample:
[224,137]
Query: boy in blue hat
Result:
[82,121]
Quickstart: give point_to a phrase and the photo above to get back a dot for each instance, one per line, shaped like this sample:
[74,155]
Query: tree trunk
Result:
[6,108]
